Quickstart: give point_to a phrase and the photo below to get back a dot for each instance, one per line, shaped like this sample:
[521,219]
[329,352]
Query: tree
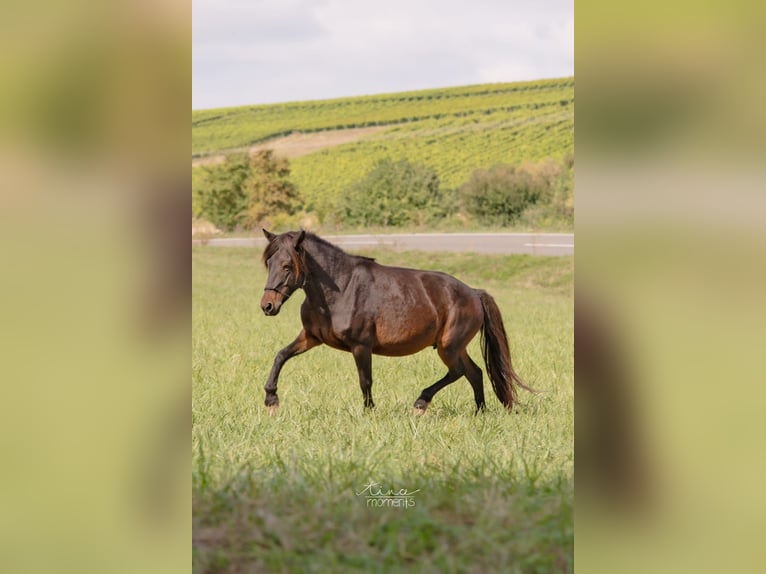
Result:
[221,194]
[268,190]
[247,191]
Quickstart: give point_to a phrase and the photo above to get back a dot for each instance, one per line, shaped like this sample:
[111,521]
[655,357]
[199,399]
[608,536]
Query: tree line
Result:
[249,191]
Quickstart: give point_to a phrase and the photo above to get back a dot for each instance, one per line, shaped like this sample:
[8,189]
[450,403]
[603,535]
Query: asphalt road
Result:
[501,243]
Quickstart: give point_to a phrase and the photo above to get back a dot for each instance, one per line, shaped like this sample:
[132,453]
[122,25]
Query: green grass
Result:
[279,493]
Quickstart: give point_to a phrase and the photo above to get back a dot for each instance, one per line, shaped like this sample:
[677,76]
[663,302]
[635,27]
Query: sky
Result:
[267,51]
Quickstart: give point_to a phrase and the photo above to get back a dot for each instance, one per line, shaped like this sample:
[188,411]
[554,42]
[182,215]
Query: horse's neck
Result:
[329,275]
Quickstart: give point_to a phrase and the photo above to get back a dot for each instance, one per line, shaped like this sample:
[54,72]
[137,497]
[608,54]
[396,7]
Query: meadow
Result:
[491,492]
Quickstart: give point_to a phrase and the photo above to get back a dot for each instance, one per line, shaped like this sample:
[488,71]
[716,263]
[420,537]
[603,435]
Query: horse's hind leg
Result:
[456,370]
[475,377]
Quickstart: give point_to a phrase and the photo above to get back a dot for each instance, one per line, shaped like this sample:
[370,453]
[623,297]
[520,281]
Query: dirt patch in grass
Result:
[299,144]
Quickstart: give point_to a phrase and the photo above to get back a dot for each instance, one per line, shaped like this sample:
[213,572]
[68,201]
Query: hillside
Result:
[452,130]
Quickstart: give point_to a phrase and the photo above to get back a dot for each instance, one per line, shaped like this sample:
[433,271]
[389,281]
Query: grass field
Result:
[453,131]
[494,491]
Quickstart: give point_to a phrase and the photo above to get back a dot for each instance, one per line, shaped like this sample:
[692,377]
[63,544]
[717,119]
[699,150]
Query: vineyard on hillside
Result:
[453,131]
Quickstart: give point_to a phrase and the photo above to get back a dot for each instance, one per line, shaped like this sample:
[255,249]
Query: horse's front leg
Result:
[363,358]
[302,343]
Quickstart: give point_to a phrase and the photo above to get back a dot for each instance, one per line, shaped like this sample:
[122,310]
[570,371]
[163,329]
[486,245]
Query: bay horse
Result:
[357,305]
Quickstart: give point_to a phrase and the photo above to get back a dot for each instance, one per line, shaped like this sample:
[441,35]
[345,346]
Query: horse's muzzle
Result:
[271,302]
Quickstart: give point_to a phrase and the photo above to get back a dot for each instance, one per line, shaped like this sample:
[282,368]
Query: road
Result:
[498,243]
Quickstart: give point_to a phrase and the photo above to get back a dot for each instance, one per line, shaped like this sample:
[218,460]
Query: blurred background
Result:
[670,320]
[95,286]
[94,312]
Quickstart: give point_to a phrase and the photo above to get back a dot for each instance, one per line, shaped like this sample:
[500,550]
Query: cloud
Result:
[270,51]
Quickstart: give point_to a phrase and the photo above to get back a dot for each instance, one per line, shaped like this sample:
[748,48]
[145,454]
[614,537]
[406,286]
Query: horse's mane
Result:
[327,244]
[273,246]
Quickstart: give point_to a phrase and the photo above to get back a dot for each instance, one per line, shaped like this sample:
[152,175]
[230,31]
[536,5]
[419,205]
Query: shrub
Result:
[395,193]
[501,194]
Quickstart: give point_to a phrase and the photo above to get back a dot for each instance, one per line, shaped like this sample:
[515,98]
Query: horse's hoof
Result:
[272,409]
[420,408]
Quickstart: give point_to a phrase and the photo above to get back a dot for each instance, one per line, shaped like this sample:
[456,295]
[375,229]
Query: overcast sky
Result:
[263,51]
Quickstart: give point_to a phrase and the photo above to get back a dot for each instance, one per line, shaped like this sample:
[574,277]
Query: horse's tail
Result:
[497,357]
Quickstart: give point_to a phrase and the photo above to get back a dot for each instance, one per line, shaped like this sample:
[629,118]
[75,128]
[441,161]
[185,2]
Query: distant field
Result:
[280,494]
[227,128]
[452,130]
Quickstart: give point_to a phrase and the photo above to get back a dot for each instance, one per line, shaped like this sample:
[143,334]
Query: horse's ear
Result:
[300,239]
[269,236]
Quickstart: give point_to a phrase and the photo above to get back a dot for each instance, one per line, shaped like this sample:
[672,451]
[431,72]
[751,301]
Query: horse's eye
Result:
[286,269]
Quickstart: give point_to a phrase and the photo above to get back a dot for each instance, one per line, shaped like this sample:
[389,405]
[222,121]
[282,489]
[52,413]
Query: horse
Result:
[355,304]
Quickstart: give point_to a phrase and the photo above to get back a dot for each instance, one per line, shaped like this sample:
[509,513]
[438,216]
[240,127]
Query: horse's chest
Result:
[331,330]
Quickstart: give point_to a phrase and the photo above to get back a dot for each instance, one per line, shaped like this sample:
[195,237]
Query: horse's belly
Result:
[397,341]
[398,350]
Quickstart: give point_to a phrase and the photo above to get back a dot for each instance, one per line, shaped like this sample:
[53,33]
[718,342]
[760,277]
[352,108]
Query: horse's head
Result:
[284,259]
